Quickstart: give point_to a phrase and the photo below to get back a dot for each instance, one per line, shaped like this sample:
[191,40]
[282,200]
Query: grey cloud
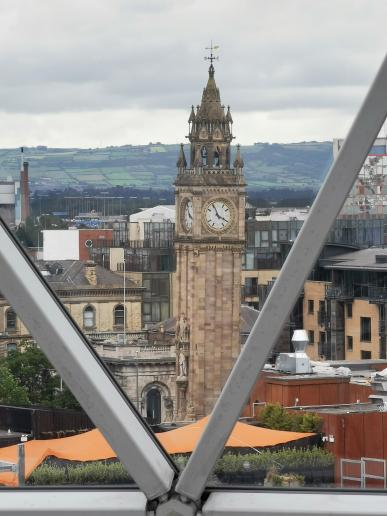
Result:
[69,56]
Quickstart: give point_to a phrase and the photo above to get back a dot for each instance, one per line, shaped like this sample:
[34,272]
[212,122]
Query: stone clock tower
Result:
[209,240]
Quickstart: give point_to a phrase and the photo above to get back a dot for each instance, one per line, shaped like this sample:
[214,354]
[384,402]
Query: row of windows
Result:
[89,317]
[89,320]
[322,306]
[365,333]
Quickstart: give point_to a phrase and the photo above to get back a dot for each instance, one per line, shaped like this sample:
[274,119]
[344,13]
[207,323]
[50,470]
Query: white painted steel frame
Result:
[67,502]
[294,504]
[100,397]
[289,283]
[82,370]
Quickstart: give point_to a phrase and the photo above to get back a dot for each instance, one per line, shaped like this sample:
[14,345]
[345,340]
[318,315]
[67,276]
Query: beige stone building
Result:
[346,316]
[93,296]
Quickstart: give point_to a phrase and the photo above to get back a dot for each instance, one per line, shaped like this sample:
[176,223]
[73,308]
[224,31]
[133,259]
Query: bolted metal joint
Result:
[177,506]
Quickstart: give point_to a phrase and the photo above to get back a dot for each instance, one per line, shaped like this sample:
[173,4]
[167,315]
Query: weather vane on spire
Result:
[211,57]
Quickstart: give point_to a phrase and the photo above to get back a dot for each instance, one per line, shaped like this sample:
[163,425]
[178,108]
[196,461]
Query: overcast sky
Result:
[91,73]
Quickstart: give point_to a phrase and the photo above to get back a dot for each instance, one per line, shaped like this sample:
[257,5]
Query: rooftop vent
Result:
[381,258]
[379,386]
[297,362]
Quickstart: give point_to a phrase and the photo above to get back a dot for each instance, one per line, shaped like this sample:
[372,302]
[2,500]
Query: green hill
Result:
[296,165]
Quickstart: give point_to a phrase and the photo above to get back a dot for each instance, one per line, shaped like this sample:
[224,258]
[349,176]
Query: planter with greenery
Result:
[315,465]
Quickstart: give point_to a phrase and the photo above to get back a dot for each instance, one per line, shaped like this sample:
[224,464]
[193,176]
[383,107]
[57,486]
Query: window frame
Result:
[89,309]
[365,333]
[117,308]
[95,388]
[13,327]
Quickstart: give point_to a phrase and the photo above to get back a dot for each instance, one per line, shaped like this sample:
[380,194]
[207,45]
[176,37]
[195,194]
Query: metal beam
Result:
[82,370]
[280,302]
[280,503]
[71,502]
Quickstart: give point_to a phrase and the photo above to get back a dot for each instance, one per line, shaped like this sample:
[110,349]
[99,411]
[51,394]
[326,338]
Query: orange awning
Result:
[93,446]
[184,439]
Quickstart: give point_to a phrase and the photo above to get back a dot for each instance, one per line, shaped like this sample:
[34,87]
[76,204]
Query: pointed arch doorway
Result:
[153,406]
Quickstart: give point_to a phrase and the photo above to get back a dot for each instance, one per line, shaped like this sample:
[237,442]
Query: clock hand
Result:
[217,214]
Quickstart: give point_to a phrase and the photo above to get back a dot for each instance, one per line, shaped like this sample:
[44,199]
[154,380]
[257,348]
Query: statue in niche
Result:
[182,329]
[182,364]
[168,405]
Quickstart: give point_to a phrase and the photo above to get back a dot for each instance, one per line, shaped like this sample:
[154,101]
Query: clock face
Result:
[218,215]
[188,215]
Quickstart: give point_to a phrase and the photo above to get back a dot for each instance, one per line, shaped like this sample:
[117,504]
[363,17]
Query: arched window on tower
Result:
[204,156]
[10,320]
[89,317]
[217,157]
[119,315]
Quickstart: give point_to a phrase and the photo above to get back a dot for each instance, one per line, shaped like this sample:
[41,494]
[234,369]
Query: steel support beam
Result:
[70,502]
[82,370]
[280,503]
[280,302]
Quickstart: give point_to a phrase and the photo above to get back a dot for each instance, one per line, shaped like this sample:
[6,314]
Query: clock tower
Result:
[209,241]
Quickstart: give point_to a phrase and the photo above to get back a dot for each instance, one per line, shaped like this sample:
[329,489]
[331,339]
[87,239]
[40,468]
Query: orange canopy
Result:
[184,439]
[83,447]
[93,446]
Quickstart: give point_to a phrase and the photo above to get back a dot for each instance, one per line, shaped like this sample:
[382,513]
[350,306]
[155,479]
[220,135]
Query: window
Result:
[264,239]
[204,156]
[365,329]
[311,336]
[147,312]
[119,315]
[310,306]
[89,317]
[349,343]
[11,346]
[349,310]
[365,355]
[10,319]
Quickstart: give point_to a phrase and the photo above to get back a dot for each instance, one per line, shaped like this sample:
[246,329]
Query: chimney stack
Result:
[25,192]
[91,272]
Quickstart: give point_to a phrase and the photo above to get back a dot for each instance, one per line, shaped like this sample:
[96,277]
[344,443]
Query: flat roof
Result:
[364,259]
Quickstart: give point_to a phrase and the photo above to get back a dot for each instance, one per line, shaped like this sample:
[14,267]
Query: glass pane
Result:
[322,393]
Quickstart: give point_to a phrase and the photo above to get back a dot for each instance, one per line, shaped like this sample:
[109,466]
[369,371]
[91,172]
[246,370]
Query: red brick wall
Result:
[91,234]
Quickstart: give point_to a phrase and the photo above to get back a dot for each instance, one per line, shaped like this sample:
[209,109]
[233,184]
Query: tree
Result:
[34,372]
[11,392]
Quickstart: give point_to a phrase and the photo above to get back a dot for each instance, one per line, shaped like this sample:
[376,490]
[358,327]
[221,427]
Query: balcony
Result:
[377,294]
[323,319]
[339,292]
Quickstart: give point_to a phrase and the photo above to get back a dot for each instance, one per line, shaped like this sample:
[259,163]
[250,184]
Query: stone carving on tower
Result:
[209,241]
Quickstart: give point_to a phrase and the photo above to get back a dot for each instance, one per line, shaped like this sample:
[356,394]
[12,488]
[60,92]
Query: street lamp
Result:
[124,336]
[137,400]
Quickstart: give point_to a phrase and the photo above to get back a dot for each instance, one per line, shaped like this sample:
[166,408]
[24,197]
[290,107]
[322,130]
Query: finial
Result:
[211,58]
[192,115]
[181,162]
[238,163]
[228,115]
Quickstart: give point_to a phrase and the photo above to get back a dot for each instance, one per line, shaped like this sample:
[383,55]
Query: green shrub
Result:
[46,475]
[180,461]
[82,474]
[274,416]
[287,460]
